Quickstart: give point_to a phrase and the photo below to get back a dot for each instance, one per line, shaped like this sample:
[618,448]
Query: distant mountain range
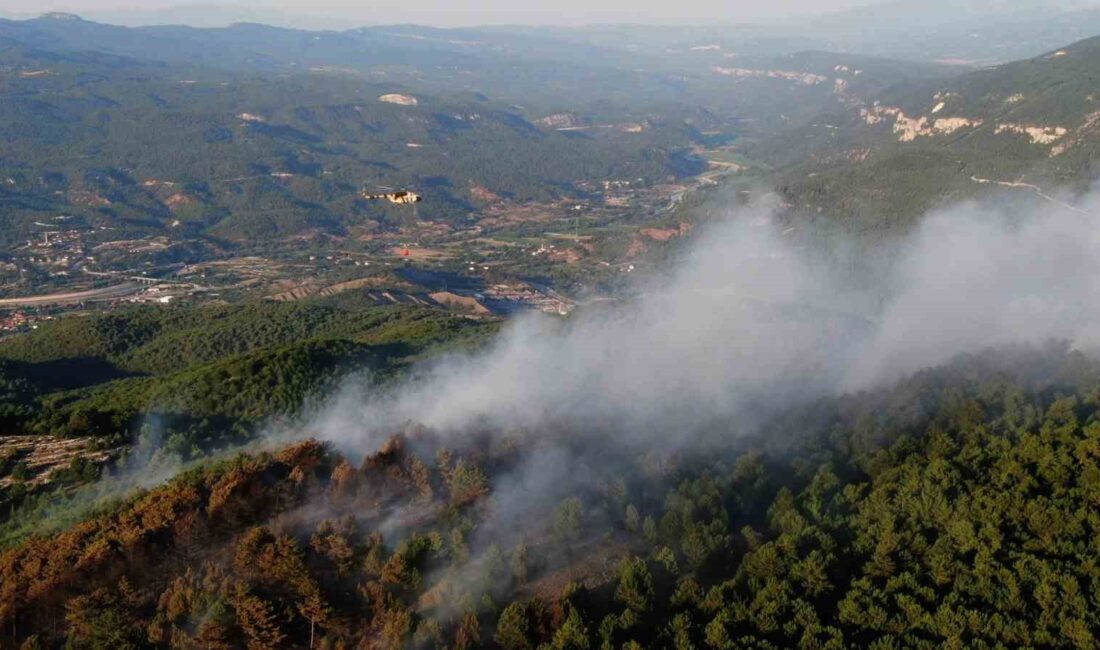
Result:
[982,31]
[205,15]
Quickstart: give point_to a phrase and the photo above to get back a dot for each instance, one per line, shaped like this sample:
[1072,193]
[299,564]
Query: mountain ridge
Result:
[1031,122]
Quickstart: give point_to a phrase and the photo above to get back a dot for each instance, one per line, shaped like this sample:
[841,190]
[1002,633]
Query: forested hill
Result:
[200,378]
[1011,129]
[956,510]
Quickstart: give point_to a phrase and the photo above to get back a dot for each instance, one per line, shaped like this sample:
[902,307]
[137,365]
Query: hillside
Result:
[1018,131]
[953,510]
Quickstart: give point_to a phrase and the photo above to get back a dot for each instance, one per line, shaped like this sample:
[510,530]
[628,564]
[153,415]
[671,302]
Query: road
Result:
[1030,188]
[75,297]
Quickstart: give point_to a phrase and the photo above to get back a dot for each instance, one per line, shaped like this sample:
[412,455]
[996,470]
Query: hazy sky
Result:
[443,12]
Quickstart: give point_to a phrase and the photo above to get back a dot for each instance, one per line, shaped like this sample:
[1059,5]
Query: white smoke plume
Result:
[974,278]
[749,322]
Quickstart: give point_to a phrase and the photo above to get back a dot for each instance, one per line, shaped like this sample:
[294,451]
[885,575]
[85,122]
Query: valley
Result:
[504,244]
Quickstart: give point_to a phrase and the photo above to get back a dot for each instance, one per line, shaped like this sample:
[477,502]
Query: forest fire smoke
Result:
[748,321]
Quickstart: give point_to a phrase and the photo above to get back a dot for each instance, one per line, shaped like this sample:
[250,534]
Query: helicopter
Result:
[400,197]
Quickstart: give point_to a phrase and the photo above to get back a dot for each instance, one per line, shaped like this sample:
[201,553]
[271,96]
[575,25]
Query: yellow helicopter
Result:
[402,197]
[398,197]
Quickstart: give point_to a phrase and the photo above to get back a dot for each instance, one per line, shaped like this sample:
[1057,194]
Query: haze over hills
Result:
[976,32]
[981,31]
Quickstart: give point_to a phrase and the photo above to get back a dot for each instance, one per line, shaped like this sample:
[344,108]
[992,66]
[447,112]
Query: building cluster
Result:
[20,321]
[161,294]
[54,249]
[14,322]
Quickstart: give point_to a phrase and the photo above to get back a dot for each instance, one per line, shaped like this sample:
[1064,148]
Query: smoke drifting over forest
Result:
[974,278]
[748,322]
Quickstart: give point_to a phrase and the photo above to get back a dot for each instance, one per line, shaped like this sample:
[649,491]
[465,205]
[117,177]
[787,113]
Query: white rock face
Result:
[400,100]
[250,117]
[877,113]
[909,129]
[1037,134]
[948,125]
[1089,128]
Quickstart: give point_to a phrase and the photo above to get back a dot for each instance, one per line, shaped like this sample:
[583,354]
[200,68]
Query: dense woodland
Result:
[957,509]
[247,362]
